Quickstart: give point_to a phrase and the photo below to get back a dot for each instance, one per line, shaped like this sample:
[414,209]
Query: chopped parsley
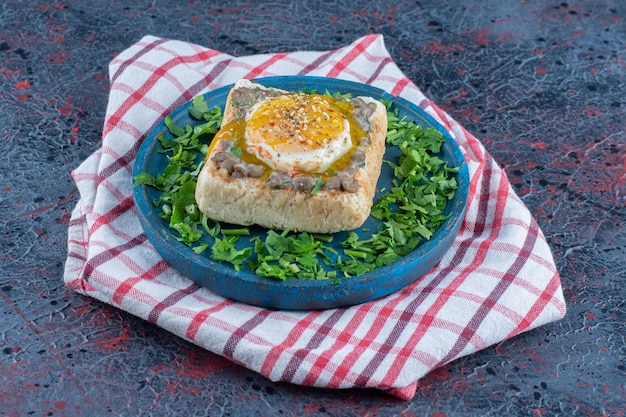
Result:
[408,213]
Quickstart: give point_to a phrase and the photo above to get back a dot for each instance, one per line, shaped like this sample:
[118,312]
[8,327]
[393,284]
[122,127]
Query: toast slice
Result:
[236,187]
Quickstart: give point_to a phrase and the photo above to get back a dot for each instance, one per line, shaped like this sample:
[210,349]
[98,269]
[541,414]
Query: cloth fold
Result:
[497,280]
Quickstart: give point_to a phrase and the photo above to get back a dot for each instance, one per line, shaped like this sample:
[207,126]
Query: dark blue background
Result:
[541,83]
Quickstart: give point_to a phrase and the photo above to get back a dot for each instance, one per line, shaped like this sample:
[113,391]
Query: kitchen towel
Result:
[497,280]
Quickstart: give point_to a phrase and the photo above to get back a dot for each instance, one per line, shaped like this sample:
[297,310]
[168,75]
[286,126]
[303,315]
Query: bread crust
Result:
[232,110]
[248,201]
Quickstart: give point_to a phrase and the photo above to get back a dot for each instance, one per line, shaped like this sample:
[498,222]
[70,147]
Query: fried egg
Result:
[297,132]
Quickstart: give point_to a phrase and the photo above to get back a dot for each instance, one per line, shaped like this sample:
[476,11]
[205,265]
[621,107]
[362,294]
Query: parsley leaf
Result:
[224,250]
[236,151]
[319,183]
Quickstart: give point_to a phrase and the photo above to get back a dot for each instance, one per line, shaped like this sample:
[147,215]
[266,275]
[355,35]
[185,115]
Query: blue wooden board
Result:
[244,285]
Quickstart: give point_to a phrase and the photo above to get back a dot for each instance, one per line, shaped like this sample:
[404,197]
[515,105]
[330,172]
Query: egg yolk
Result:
[295,122]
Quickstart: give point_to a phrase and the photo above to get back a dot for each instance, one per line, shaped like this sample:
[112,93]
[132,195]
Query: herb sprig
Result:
[409,213]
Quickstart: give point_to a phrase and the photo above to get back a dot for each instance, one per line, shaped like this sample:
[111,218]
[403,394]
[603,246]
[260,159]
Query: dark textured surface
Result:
[542,84]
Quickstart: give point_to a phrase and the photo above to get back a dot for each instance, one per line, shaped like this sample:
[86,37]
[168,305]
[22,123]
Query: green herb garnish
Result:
[413,209]
[285,255]
[409,212]
[319,183]
[236,151]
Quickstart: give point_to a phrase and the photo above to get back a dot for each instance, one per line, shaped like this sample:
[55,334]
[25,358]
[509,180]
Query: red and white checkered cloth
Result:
[497,280]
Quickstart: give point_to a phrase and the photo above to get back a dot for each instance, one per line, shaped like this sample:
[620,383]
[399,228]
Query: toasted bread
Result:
[292,200]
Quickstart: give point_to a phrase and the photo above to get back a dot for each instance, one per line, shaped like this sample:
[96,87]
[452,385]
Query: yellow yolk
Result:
[297,132]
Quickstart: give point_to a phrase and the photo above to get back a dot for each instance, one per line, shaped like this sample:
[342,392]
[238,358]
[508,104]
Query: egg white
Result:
[303,158]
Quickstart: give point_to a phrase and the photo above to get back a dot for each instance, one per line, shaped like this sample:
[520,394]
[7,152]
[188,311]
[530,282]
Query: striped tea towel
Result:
[497,280]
